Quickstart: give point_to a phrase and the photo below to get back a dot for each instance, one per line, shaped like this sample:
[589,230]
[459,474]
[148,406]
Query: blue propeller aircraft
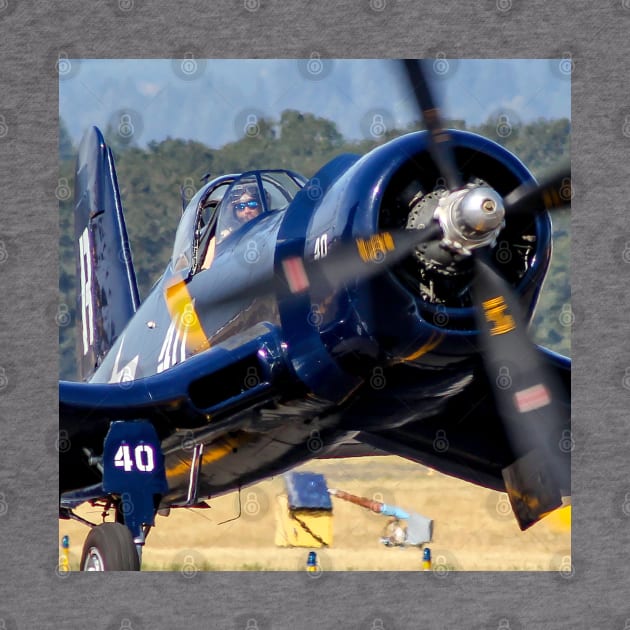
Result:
[379,307]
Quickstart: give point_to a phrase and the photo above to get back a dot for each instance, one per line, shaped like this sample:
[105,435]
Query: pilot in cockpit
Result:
[233,203]
[245,205]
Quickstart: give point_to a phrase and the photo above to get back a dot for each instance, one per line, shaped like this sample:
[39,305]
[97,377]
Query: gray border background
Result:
[594,594]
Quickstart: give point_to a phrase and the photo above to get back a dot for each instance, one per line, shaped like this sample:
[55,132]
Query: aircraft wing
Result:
[465,439]
[211,385]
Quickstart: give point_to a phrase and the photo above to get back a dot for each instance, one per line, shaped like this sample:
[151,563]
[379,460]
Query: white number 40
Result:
[143,458]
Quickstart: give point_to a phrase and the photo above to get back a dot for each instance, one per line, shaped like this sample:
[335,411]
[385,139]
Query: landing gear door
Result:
[133,468]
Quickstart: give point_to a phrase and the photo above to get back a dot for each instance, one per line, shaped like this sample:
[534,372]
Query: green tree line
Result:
[151,178]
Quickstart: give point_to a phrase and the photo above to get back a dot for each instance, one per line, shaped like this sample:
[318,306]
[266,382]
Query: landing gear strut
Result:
[134,480]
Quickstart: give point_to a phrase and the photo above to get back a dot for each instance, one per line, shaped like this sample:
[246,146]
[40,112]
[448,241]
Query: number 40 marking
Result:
[143,458]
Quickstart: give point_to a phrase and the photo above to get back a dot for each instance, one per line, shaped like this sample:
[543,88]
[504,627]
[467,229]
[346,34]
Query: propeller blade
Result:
[553,192]
[360,259]
[526,395]
[366,257]
[441,144]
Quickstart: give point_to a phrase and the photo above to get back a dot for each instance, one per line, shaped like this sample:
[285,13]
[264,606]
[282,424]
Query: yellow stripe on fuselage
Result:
[182,311]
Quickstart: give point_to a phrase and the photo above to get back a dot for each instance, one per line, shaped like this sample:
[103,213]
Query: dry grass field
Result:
[474,528]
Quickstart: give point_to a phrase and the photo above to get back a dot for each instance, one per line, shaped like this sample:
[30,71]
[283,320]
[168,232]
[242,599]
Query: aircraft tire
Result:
[110,547]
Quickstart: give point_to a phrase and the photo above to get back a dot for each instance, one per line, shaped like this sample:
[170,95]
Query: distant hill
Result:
[208,103]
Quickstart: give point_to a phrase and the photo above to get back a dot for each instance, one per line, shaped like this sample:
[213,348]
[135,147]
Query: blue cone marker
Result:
[426,559]
[65,558]
[311,563]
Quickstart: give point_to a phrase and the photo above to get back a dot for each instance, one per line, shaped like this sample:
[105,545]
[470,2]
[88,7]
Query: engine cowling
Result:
[419,310]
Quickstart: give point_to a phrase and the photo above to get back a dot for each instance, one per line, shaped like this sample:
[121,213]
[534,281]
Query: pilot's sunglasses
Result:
[246,204]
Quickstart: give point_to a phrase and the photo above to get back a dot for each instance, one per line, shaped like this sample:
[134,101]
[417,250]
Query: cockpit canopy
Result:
[224,205]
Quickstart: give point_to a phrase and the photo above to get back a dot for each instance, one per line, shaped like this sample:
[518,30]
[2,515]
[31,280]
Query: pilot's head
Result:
[246,203]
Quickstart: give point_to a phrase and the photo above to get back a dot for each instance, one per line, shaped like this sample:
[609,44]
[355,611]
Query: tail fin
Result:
[107,292]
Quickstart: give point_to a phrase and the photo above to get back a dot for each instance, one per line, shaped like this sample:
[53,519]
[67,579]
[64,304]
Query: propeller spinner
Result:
[471,217]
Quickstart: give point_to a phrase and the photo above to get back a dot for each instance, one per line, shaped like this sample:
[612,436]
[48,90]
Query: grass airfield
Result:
[474,528]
